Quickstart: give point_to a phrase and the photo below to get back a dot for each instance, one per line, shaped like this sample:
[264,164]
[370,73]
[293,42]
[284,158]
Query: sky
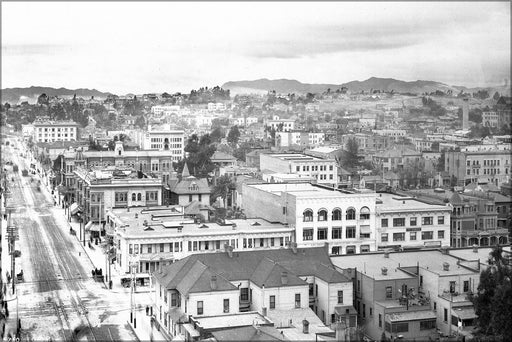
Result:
[139,47]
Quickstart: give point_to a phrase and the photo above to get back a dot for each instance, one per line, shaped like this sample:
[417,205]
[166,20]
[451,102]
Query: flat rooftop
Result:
[231,320]
[297,157]
[372,263]
[392,202]
[171,222]
[305,190]
[482,253]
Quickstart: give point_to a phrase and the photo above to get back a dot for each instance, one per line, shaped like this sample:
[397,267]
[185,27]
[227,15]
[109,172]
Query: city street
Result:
[57,299]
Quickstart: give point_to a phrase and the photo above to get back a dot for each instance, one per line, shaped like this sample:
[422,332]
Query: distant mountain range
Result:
[285,86]
[16,95]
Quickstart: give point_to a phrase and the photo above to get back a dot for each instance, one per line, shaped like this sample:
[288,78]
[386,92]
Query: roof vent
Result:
[386,254]
[136,215]
[475,248]
[384,270]
[446,266]
[305,326]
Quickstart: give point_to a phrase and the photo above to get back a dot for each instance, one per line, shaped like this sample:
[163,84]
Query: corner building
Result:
[344,221]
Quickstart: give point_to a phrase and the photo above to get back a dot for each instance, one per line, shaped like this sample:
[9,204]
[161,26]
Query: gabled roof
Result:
[186,186]
[192,276]
[261,267]
[456,199]
[269,273]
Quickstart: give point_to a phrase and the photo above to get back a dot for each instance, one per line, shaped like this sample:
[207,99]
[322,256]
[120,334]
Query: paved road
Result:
[58,298]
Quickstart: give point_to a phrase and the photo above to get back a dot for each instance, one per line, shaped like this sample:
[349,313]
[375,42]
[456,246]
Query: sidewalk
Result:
[8,325]
[95,254]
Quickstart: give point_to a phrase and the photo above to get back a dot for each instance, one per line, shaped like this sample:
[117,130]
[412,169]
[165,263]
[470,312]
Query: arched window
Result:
[133,197]
[308,215]
[351,214]
[364,213]
[336,214]
[139,197]
[322,215]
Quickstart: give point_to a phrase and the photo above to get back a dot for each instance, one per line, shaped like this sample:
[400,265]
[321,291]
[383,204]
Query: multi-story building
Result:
[164,109]
[396,134]
[404,222]
[156,162]
[163,235]
[162,139]
[187,189]
[396,159]
[324,170]
[504,109]
[412,293]
[473,220]
[478,162]
[50,131]
[368,142]
[101,189]
[282,125]
[299,138]
[274,283]
[212,107]
[343,221]
[490,119]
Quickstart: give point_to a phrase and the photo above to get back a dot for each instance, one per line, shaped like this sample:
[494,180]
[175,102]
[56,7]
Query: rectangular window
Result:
[384,237]
[389,292]
[445,315]
[322,234]
[466,286]
[297,300]
[200,307]
[440,220]
[226,305]
[400,327]
[174,299]
[399,222]
[427,220]
[452,287]
[380,321]
[398,236]
[336,233]
[427,235]
[440,234]
[272,302]
[244,294]
[412,236]
[351,232]
[351,249]
[340,297]
[161,247]
[136,249]
[384,223]
[150,249]
[307,234]
[130,249]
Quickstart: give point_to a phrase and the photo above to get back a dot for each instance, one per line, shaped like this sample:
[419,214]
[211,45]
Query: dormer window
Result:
[193,187]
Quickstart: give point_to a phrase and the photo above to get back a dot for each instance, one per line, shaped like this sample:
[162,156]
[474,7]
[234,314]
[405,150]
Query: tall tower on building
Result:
[465,114]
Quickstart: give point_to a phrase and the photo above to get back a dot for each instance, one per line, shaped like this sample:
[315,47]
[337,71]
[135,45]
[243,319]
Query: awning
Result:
[190,329]
[465,313]
[74,208]
[365,230]
[93,227]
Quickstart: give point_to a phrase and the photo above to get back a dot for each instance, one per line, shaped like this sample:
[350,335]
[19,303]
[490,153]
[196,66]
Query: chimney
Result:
[384,270]
[293,245]
[284,277]
[445,250]
[229,249]
[136,215]
[213,282]
[386,254]
[475,249]
[305,326]
[446,266]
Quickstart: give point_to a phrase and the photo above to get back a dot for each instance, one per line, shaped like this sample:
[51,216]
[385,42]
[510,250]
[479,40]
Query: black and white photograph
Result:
[212,171]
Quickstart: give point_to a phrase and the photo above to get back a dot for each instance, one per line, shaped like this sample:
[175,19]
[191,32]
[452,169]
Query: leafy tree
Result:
[222,188]
[475,115]
[496,96]
[350,158]
[200,151]
[217,134]
[43,99]
[493,299]
[233,135]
